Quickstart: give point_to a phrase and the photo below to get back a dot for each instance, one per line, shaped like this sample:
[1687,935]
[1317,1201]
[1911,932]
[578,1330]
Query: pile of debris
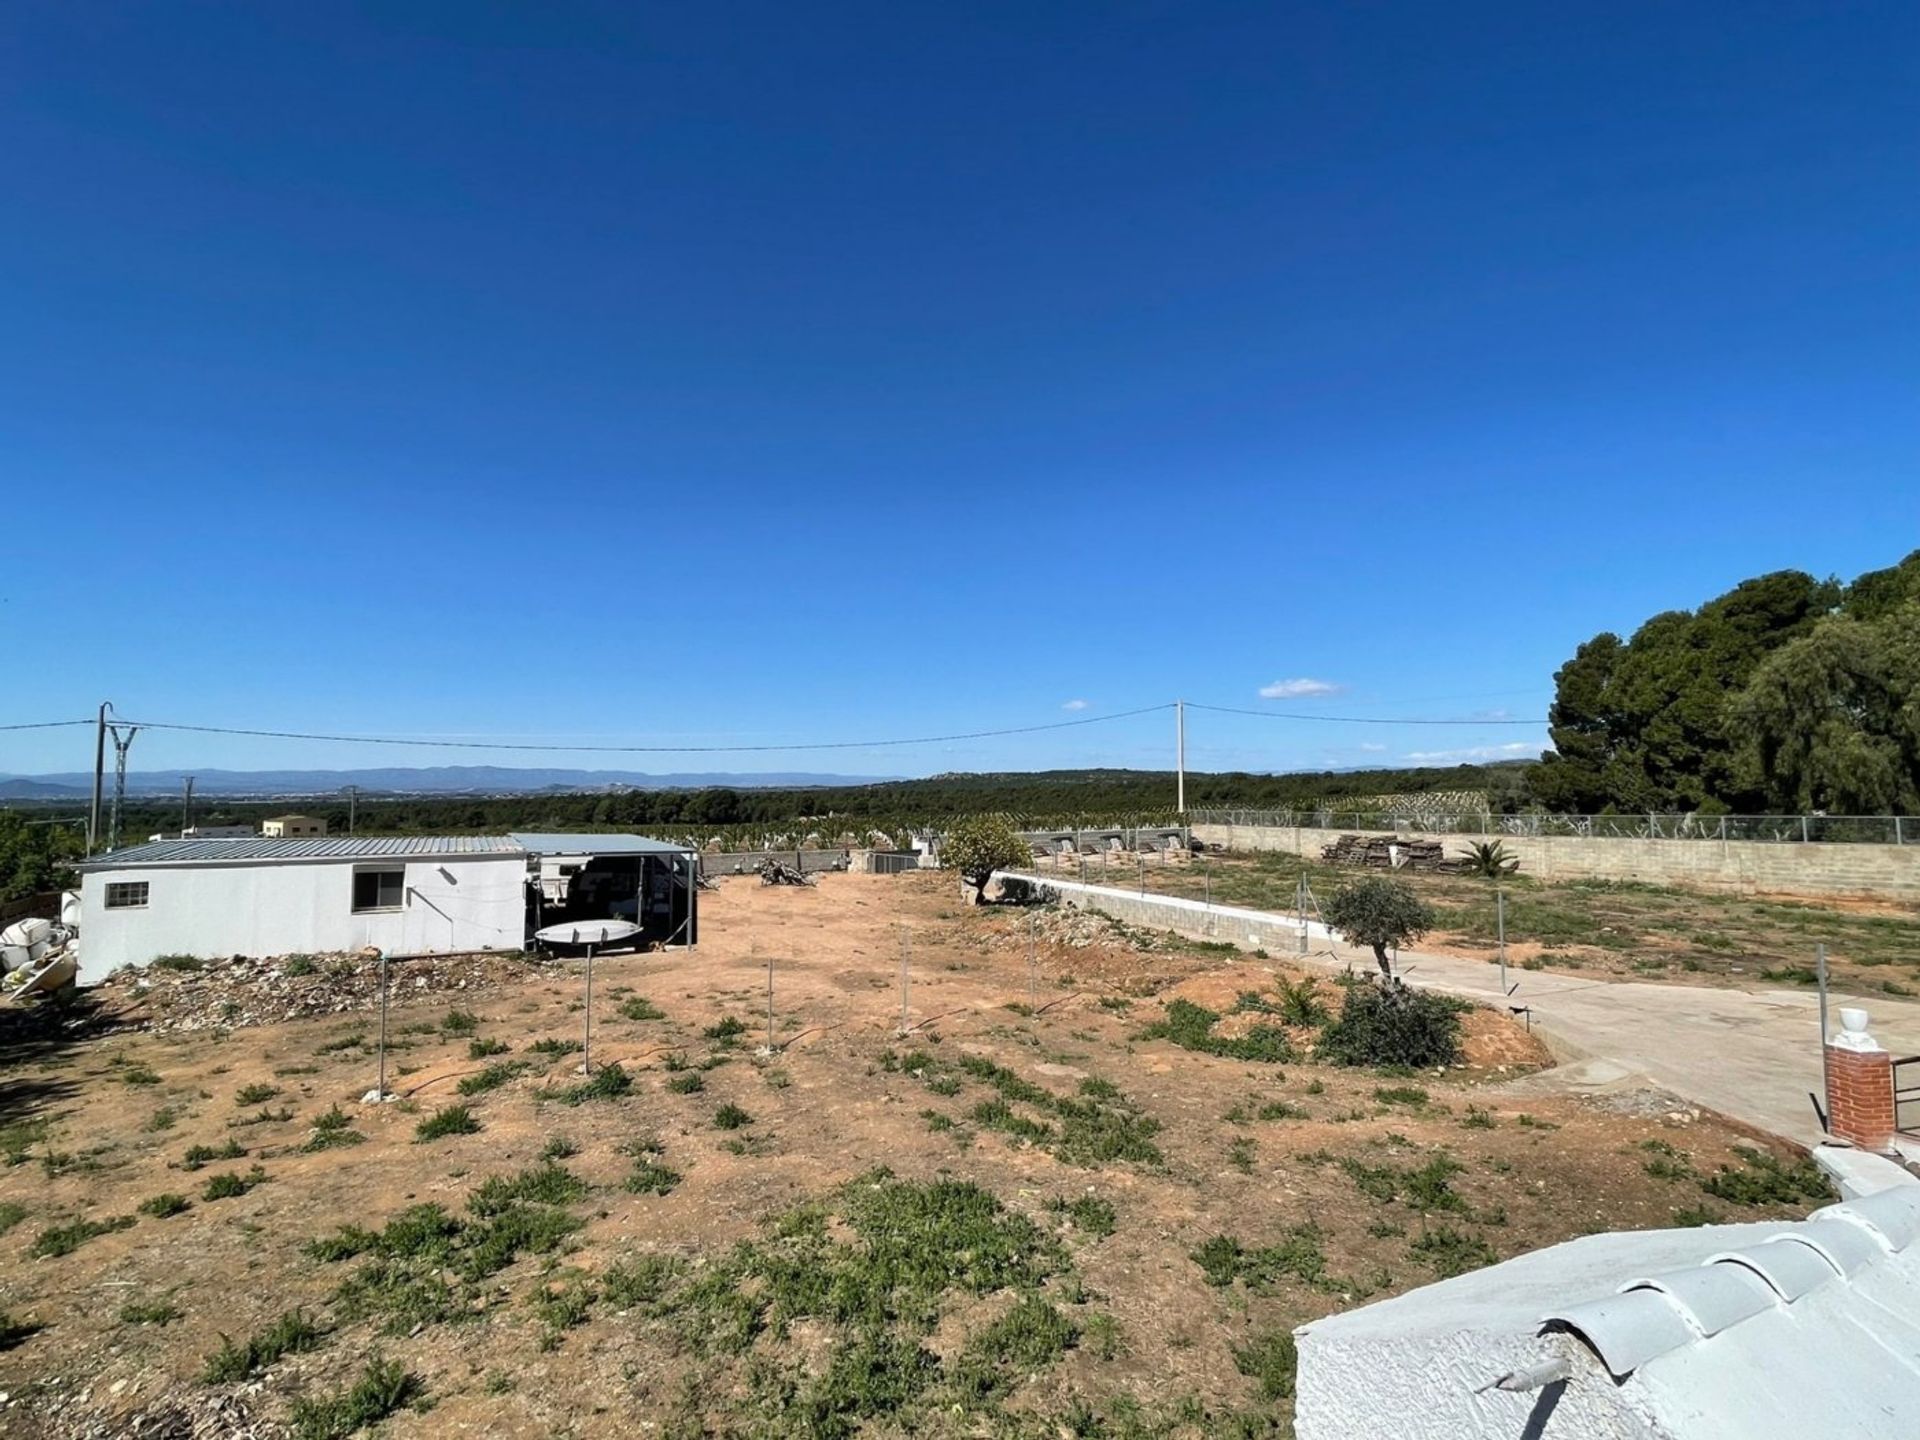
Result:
[229,994]
[36,958]
[778,872]
[1388,852]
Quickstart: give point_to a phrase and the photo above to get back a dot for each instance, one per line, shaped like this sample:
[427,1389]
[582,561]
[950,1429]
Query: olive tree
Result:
[1379,912]
[978,845]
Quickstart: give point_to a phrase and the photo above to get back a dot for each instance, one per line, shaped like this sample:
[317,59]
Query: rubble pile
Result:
[1064,927]
[229,994]
[1388,852]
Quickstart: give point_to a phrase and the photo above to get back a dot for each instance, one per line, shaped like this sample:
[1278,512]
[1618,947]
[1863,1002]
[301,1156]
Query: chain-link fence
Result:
[1784,829]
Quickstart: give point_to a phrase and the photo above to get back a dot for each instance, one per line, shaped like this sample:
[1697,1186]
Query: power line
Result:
[646,749]
[1350,719]
[46,725]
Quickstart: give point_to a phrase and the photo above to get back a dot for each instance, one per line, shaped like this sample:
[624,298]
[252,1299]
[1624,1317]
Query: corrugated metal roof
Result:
[256,849]
[543,843]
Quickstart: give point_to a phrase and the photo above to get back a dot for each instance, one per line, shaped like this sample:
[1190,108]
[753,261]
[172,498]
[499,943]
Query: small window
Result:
[127,895]
[379,889]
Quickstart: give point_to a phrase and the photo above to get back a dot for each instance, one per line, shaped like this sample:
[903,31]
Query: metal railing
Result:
[1905,1095]
[1783,829]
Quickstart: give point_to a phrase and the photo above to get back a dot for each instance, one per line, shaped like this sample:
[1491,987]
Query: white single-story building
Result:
[411,896]
[293,827]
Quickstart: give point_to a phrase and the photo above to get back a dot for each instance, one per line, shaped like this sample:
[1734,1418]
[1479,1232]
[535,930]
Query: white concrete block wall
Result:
[473,902]
[1738,867]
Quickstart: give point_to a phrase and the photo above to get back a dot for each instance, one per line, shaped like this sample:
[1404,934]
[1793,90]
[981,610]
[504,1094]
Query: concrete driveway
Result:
[1751,1054]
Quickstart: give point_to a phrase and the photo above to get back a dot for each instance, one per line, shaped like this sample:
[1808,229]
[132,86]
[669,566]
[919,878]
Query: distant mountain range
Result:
[404,780]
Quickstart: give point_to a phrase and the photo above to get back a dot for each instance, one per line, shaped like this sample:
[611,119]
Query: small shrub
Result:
[641,1008]
[255,1094]
[149,1312]
[491,1078]
[459,1022]
[482,1049]
[161,1206]
[1240,1154]
[1401,1095]
[1300,1003]
[1280,1110]
[555,1048]
[689,1082]
[353,1040]
[13,1331]
[333,1130]
[1190,1027]
[1393,1025]
[449,1120]
[728,1029]
[1477,1118]
[58,1240]
[139,1075]
[200,1156]
[299,965]
[650,1177]
[384,1386]
[179,964]
[292,1334]
[12,1212]
[1764,1179]
[228,1184]
[559,1147]
[731,1117]
[162,1119]
[641,1281]
[1452,1252]
[608,1083]
[1089,1214]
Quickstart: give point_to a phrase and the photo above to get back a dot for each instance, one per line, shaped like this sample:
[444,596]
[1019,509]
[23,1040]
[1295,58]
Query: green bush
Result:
[1392,1025]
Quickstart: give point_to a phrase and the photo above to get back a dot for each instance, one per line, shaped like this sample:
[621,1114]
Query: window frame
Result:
[114,897]
[378,874]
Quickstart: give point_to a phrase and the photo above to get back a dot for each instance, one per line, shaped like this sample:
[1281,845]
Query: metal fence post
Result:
[586,1048]
[1803,830]
[383,1026]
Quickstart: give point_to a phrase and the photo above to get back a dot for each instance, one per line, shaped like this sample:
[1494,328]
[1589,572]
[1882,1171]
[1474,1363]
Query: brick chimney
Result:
[1859,1086]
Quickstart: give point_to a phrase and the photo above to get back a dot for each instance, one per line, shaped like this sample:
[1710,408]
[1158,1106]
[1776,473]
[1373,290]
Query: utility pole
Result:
[99,769]
[186,809]
[1180,754]
[353,795]
[121,744]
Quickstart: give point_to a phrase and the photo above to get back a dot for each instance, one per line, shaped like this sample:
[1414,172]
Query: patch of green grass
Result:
[257,1094]
[1792,975]
[1272,1359]
[1424,1187]
[265,1117]
[491,1078]
[1452,1252]
[553,1047]
[609,1082]
[1534,1122]
[1402,1095]
[179,964]
[1089,1214]
[1477,1118]
[163,1205]
[1765,1179]
[561,1308]
[1190,1027]
[1240,1154]
[1299,1256]
[459,1022]
[936,1121]
[688,1082]
[483,1049]
[20,1136]
[162,1119]
[641,1008]
[293,1333]
[1280,1110]
[640,1282]
[58,1240]
[200,1156]
[12,1212]
[139,1075]
[352,1040]
[332,1130]
[228,1184]
[731,1117]
[149,1312]
[1691,1217]
[299,965]
[1027,1339]
[724,1032]
[448,1120]
[649,1176]
[384,1386]
[559,1147]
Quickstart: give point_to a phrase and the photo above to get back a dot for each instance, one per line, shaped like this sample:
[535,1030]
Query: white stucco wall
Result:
[468,902]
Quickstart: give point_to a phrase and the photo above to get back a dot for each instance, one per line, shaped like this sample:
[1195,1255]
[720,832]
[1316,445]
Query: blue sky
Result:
[745,373]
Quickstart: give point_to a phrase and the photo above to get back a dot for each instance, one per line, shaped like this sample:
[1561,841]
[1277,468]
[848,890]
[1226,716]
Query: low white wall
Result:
[1249,929]
[452,903]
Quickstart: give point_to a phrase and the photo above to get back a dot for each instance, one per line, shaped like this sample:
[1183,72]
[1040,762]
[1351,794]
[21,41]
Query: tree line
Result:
[1785,695]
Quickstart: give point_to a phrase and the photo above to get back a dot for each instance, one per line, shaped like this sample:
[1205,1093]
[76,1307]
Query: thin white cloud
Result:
[1371,749]
[1298,689]
[1074,705]
[1509,751]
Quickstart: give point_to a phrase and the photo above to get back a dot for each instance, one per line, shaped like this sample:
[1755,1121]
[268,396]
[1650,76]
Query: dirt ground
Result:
[1295,1158]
